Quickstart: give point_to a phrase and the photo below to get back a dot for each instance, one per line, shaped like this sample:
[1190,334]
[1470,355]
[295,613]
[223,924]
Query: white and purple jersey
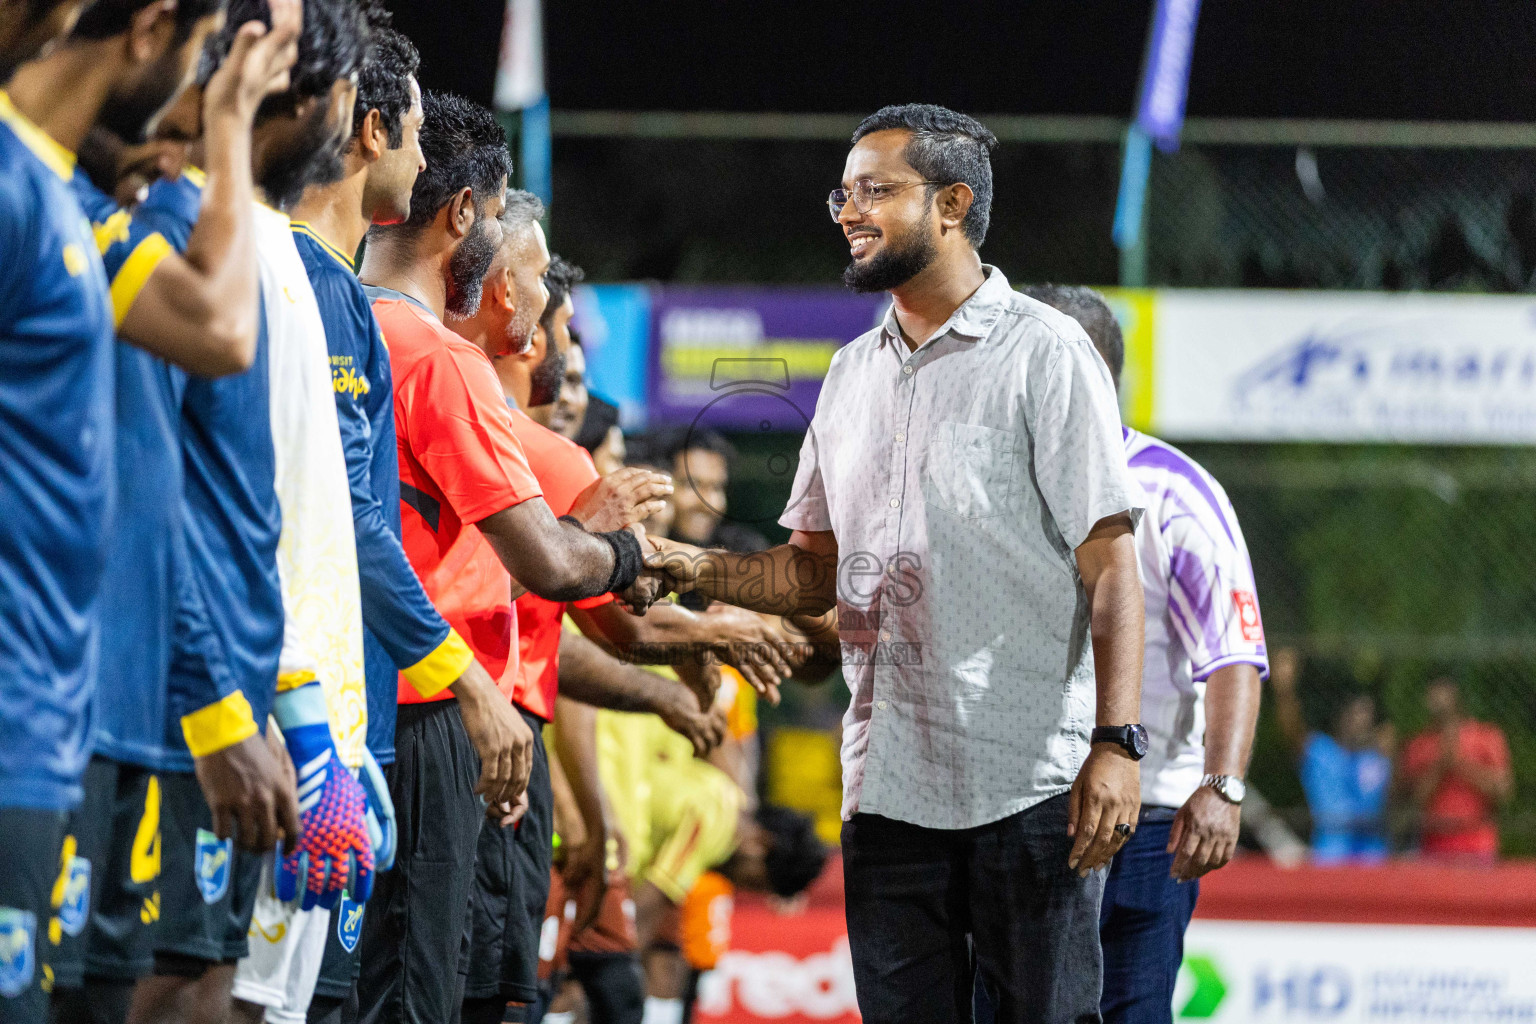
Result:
[1202,610]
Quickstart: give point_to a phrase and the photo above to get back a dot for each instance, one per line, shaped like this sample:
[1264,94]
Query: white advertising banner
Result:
[1336,366]
[1261,972]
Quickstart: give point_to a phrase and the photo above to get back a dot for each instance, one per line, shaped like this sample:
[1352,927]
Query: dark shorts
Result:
[207,885]
[417,919]
[930,910]
[511,891]
[106,926]
[31,840]
[340,965]
[614,985]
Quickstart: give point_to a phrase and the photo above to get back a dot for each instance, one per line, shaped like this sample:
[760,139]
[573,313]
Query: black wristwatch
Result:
[1131,737]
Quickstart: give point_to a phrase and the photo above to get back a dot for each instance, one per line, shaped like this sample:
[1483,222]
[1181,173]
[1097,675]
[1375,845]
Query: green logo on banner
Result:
[1209,991]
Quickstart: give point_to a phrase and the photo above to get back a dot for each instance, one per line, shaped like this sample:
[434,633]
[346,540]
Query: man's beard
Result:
[467,268]
[547,377]
[902,259]
[129,116]
[315,157]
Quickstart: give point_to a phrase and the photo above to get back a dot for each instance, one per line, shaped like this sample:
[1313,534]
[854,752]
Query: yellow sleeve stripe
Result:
[432,674]
[130,280]
[219,725]
[293,680]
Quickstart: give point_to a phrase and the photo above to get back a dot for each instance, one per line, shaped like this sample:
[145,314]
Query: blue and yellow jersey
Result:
[138,597]
[403,632]
[229,617]
[56,459]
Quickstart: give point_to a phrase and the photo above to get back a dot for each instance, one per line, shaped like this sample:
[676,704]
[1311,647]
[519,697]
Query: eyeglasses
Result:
[865,194]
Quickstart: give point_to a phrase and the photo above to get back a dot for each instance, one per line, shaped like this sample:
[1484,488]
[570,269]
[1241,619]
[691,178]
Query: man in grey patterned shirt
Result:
[962,498]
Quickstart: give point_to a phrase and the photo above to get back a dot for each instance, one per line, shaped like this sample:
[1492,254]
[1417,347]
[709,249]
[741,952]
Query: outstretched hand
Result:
[621,498]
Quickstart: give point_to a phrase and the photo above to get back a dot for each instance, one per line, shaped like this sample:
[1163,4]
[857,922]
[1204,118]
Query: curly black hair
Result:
[465,147]
[384,81]
[331,46]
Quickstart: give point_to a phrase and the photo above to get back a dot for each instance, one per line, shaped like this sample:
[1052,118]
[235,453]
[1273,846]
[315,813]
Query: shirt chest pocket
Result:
[972,470]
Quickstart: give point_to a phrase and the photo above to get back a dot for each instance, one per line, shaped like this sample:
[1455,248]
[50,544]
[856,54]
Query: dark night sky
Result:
[1419,59]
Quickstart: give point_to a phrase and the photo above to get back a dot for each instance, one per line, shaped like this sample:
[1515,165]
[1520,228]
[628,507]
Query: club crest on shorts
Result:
[75,910]
[212,865]
[349,924]
[18,943]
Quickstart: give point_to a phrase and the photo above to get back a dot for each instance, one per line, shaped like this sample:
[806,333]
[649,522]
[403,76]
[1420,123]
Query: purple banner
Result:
[749,358]
[1165,79]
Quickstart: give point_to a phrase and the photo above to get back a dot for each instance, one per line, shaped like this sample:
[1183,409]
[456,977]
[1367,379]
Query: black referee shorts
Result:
[112,895]
[207,885]
[511,890]
[417,918]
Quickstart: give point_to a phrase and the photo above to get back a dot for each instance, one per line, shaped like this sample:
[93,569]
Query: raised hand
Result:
[621,498]
[257,65]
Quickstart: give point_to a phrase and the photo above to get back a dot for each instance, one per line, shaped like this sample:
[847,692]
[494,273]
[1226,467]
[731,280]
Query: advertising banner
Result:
[1261,972]
[1337,366]
[790,969]
[749,358]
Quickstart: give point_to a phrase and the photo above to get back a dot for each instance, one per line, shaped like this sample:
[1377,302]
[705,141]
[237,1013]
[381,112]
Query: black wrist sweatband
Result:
[573,521]
[627,559]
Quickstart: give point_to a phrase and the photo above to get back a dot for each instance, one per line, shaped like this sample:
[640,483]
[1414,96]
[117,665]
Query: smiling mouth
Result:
[860,245]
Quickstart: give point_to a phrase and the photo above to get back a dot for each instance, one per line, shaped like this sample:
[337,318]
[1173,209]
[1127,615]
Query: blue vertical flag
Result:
[1159,110]
[520,87]
[1165,78]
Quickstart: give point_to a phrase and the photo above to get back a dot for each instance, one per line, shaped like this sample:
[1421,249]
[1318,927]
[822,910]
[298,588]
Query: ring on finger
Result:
[1123,830]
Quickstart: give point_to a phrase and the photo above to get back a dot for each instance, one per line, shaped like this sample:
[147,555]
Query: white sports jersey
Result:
[1202,612]
[316,553]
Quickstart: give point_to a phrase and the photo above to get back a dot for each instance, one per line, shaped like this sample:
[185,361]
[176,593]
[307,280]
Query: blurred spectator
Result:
[1456,773]
[701,470]
[1346,775]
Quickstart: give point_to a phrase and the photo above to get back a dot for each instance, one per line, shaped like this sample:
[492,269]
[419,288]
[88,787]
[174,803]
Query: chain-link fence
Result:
[1384,218]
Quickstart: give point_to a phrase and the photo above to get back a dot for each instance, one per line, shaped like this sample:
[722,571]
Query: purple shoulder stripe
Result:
[1156,456]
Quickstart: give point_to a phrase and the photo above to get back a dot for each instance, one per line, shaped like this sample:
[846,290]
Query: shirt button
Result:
[895,503]
[900,437]
[885,634]
[890,570]
[907,370]
[880,704]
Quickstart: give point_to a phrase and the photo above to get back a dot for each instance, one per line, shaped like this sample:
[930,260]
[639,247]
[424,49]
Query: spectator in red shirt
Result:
[1457,773]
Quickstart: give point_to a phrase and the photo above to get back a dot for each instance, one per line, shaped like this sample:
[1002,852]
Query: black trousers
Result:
[931,909]
[417,919]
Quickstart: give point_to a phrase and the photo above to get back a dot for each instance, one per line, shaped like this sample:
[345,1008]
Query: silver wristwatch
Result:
[1229,787]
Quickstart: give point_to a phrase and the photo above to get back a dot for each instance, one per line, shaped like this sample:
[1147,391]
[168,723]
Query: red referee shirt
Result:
[564,470]
[459,463]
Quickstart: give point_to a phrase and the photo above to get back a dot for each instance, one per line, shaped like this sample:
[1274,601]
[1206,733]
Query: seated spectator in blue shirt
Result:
[1346,776]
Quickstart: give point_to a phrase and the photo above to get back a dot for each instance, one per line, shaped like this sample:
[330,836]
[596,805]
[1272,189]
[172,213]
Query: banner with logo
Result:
[786,968]
[1331,366]
[1260,972]
[749,358]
